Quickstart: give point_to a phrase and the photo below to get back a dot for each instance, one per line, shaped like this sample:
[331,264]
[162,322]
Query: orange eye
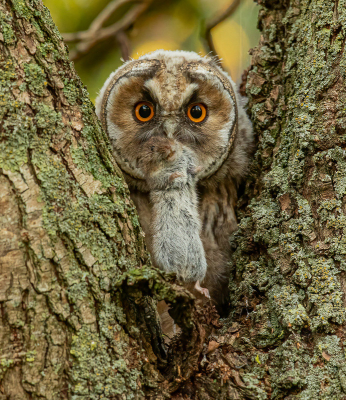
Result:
[144,111]
[197,112]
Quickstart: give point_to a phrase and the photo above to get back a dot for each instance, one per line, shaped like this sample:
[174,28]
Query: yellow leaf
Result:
[232,44]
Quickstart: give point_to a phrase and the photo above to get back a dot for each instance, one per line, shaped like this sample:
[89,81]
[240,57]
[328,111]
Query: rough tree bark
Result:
[288,287]
[67,227]
[285,337]
[77,314]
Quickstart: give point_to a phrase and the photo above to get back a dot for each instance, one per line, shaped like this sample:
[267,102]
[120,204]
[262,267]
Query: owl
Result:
[192,103]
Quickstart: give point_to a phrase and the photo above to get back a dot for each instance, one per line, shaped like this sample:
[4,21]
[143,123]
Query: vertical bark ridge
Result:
[288,286]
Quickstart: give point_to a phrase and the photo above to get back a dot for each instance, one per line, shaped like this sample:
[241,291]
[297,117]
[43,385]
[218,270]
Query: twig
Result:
[106,13]
[124,45]
[208,39]
[96,33]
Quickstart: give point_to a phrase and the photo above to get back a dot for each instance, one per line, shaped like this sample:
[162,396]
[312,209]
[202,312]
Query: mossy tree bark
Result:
[77,315]
[288,286]
[285,337]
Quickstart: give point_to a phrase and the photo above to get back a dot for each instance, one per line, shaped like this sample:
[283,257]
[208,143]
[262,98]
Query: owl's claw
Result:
[203,291]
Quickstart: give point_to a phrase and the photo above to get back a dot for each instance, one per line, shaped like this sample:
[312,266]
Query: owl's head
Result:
[172,94]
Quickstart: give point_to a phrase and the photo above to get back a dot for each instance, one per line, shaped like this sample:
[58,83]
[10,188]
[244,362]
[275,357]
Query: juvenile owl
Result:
[190,101]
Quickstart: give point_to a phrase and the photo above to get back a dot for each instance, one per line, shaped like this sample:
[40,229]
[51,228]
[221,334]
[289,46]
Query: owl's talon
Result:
[201,290]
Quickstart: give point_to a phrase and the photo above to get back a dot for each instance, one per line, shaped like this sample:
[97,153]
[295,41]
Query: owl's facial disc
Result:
[191,103]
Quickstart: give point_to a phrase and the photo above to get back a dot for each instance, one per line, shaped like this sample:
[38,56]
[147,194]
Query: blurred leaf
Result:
[232,44]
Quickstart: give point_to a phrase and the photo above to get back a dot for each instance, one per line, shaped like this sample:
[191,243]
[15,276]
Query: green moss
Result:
[252,382]
[6,29]
[36,78]
[5,364]
[22,9]
[71,92]
[17,126]
[47,49]
[95,368]
[47,119]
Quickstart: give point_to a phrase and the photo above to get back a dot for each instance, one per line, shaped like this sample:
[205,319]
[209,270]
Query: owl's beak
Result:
[169,127]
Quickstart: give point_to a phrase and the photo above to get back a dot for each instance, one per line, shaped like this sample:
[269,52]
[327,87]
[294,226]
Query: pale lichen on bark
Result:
[288,286]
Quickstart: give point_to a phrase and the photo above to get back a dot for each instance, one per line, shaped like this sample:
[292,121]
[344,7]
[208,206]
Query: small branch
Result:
[106,13]
[208,39]
[96,33]
[124,45]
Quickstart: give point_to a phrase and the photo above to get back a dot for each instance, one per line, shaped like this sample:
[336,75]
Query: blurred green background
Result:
[166,24]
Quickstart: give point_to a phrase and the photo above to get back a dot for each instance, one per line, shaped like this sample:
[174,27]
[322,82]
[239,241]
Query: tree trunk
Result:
[285,337]
[289,282]
[77,316]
